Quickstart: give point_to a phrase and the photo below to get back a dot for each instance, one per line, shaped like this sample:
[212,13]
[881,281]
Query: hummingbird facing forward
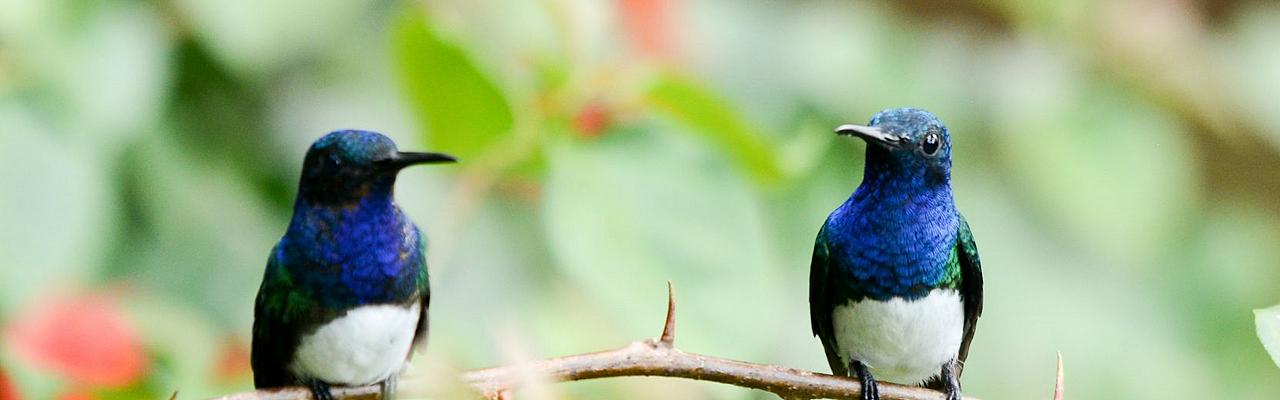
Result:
[895,287]
[344,297]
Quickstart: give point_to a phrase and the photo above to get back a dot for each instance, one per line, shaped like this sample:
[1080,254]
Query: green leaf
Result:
[463,111]
[55,204]
[711,116]
[1268,320]
[636,208]
[207,235]
[253,37]
[1111,170]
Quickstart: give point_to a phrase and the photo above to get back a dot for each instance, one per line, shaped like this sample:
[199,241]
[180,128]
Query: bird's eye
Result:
[931,144]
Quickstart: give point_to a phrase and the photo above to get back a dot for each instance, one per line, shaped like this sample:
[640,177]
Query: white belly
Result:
[366,345]
[901,341]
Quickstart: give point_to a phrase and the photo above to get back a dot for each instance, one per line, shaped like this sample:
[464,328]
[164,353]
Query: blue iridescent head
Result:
[908,143]
[346,165]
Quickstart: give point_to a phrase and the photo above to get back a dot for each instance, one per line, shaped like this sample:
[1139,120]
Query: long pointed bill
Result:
[871,135]
[406,158]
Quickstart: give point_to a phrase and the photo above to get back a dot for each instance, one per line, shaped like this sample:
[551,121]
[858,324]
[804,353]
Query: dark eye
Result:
[931,144]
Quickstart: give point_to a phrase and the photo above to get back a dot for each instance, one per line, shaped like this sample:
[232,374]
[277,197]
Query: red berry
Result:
[592,120]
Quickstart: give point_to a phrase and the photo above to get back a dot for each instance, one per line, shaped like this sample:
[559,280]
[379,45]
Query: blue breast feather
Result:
[892,239]
[364,253]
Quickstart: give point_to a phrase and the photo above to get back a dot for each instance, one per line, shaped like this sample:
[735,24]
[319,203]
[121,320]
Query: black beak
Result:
[406,158]
[871,135]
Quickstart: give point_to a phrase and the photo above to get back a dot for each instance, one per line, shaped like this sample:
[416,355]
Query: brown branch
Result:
[368,392]
[650,357]
[653,358]
[659,357]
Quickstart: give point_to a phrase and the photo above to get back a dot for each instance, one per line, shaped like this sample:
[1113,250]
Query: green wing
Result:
[424,287]
[280,314]
[819,303]
[274,336]
[970,286]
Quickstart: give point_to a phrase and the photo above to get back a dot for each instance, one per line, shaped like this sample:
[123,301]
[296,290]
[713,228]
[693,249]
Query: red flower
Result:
[648,26]
[84,338]
[7,391]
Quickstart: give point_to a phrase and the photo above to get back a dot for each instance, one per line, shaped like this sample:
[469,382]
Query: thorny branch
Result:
[1057,384]
[650,357]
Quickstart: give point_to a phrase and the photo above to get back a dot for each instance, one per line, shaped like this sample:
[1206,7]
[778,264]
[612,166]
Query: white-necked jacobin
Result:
[895,287]
[344,297]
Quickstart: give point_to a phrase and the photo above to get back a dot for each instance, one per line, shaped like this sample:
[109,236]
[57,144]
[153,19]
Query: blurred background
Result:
[1119,162]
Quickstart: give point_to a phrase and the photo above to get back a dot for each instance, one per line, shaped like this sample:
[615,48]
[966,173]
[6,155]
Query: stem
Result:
[650,357]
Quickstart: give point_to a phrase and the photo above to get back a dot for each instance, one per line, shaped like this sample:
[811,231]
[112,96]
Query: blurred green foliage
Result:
[1116,159]
[461,109]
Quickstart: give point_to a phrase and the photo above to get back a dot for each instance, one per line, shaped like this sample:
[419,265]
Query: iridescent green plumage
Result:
[895,281]
[345,294]
[962,271]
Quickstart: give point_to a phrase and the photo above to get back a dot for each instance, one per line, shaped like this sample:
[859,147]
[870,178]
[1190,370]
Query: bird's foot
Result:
[389,387]
[870,390]
[319,389]
[951,382]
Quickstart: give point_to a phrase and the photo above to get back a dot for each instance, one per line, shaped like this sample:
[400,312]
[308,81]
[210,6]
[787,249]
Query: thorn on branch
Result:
[650,357]
[668,337]
[1057,386]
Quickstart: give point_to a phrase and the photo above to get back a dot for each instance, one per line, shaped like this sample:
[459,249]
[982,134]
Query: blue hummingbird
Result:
[344,296]
[895,286]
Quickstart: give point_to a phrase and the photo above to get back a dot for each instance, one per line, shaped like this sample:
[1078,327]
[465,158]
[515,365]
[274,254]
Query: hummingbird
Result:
[895,286]
[344,296]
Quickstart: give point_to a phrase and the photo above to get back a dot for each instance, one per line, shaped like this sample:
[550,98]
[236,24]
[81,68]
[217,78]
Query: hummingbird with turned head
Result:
[895,286]
[344,296]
